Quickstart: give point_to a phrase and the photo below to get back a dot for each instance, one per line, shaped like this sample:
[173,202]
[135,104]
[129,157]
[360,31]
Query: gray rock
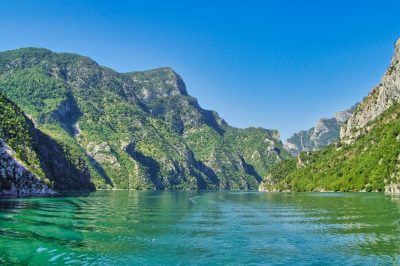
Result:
[379,100]
[325,132]
[22,182]
[392,188]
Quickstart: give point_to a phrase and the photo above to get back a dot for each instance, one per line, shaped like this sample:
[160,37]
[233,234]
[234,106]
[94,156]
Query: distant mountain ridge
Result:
[136,130]
[325,132]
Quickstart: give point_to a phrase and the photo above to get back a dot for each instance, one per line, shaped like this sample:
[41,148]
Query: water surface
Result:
[149,227]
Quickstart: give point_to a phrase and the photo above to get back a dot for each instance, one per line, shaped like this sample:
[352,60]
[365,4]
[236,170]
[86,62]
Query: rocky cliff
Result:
[97,128]
[366,158]
[16,179]
[31,161]
[20,169]
[325,132]
[383,96]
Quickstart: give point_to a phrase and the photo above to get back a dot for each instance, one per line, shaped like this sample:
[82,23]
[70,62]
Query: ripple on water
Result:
[201,228]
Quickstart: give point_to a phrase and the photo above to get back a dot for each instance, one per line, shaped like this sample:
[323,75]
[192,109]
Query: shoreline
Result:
[65,193]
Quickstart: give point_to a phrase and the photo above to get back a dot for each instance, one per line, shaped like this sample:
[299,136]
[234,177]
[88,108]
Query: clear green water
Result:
[207,228]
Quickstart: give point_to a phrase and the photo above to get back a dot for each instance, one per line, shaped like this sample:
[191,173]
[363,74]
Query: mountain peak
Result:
[325,132]
[397,50]
[381,97]
[159,82]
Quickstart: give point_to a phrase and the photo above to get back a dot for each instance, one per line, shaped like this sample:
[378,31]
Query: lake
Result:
[202,228]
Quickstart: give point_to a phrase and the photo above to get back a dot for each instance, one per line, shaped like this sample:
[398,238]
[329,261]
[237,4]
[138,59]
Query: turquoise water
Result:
[138,227]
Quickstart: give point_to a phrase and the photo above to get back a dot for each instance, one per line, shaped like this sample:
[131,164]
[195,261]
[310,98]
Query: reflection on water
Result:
[150,227]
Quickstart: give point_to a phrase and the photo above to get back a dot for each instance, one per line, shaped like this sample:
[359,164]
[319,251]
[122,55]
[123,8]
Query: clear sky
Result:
[275,64]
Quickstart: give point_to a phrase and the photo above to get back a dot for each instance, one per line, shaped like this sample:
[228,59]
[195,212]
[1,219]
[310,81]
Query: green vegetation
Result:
[38,93]
[17,131]
[367,164]
[139,130]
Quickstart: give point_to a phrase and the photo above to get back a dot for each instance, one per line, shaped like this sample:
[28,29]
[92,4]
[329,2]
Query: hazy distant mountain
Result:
[325,132]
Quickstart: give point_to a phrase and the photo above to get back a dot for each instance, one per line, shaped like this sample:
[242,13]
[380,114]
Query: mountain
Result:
[325,132]
[19,155]
[382,97]
[366,158]
[139,130]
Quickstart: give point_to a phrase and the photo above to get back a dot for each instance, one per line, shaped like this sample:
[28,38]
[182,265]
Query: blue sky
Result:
[274,64]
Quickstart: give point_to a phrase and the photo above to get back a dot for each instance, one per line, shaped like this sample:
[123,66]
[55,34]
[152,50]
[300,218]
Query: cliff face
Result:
[378,101]
[370,163]
[325,132]
[16,179]
[30,161]
[97,128]
[20,170]
[366,157]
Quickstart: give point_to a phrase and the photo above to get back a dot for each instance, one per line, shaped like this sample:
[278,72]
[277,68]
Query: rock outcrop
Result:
[393,188]
[365,158]
[378,101]
[15,179]
[32,160]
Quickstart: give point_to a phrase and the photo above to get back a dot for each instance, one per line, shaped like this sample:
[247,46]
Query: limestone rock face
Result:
[383,96]
[102,152]
[365,158]
[325,132]
[267,185]
[16,179]
[392,188]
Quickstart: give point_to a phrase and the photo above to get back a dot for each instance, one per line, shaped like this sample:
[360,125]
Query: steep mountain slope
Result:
[325,132]
[138,130]
[34,163]
[369,163]
[367,155]
[378,101]
[18,155]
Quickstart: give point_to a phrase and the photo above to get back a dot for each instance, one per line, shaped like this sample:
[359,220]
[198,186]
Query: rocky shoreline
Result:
[16,180]
[393,188]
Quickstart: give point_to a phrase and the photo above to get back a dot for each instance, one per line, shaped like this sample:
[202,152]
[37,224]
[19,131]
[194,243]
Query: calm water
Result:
[130,228]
